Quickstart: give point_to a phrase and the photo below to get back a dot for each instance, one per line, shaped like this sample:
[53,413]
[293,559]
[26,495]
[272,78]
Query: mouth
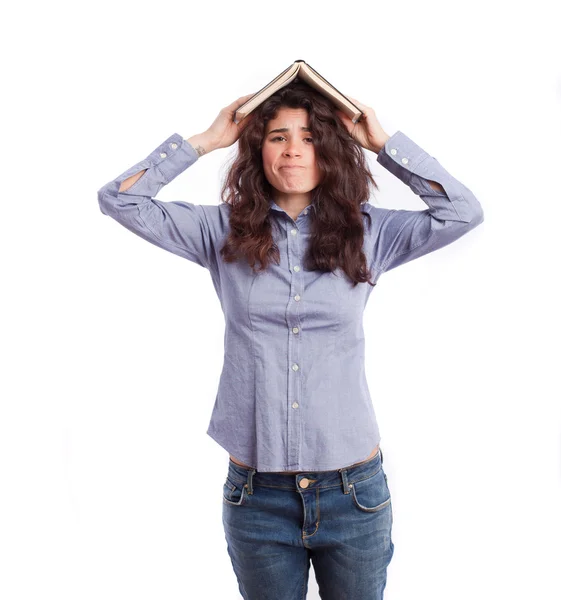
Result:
[292,167]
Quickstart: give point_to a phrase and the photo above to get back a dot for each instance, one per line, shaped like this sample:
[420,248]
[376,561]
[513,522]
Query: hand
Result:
[367,131]
[224,132]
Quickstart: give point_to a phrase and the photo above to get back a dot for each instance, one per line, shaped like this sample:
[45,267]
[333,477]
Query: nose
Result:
[292,149]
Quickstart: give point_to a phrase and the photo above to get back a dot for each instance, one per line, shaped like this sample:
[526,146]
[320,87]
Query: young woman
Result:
[294,250]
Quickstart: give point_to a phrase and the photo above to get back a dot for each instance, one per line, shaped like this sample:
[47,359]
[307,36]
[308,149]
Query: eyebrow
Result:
[284,129]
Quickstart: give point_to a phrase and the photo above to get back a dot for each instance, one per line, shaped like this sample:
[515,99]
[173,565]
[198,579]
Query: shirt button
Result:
[295,330]
[393,151]
[163,154]
[295,405]
[294,231]
[296,268]
[295,367]
[404,160]
[173,145]
[297,298]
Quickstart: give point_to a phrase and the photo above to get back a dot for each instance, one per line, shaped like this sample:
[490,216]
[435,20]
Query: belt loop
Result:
[249,483]
[344,480]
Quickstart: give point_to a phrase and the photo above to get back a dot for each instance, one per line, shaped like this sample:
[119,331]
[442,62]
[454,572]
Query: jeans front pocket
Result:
[233,493]
[371,494]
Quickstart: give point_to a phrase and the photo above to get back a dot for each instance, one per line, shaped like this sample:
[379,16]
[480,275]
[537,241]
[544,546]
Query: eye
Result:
[278,137]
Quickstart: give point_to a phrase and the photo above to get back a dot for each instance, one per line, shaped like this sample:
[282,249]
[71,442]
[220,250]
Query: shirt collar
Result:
[274,206]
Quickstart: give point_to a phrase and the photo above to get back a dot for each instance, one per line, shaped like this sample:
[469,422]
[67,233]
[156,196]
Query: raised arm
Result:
[182,228]
[200,143]
[178,227]
[453,210]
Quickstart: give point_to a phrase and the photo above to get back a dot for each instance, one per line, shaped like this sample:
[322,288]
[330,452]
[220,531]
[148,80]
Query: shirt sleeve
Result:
[178,227]
[403,235]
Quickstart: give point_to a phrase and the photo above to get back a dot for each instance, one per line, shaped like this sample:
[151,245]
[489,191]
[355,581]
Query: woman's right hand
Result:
[224,132]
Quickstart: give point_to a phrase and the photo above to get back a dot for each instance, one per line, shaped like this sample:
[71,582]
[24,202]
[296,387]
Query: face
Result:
[293,146]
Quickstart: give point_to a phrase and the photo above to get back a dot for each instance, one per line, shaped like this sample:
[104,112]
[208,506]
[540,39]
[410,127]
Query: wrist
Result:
[201,143]
[381,143]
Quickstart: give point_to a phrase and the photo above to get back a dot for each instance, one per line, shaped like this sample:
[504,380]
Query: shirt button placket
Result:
[293,400]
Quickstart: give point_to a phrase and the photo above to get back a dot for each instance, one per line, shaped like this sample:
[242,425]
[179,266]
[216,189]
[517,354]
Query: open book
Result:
[303,71]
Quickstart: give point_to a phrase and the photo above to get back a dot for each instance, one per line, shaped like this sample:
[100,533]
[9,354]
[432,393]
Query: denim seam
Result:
[368,509]
[292,488]
[309,535]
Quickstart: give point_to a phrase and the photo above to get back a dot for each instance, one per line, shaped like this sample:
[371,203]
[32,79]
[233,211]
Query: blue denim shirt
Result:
[293,394]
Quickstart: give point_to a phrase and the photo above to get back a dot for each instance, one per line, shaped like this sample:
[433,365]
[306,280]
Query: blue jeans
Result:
[341,520]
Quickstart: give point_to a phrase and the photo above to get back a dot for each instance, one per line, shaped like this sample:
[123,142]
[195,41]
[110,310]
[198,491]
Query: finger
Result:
[231,108]
[242,99]
[355,100]
[359,104]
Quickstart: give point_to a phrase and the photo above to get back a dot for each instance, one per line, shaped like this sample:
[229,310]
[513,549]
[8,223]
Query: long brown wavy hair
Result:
[336,226]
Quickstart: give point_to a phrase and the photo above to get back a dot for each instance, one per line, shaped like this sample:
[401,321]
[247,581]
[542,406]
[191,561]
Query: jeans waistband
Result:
[249,477]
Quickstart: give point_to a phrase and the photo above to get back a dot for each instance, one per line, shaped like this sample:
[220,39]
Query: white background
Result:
[112,348]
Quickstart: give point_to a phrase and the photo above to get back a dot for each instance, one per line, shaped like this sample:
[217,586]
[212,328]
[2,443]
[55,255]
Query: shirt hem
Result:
[276,469]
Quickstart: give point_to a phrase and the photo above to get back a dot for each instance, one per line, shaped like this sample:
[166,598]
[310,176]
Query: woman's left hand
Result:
[367,131]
